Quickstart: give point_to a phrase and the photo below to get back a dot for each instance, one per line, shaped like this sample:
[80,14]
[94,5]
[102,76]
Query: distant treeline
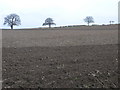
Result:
[75,27]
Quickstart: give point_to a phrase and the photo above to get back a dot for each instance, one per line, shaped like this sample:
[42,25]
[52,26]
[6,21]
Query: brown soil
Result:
[70,57]
[84,66]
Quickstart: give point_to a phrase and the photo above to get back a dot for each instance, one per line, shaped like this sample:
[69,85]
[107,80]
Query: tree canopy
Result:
[11,20]
[89,19]
[49,21]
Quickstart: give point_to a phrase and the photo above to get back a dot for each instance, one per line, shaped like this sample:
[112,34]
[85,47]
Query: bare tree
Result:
[49,21]
[11,20]
[111,22]
[89,19]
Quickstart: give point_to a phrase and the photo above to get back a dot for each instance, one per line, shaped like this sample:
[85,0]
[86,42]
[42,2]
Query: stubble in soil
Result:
[61,67]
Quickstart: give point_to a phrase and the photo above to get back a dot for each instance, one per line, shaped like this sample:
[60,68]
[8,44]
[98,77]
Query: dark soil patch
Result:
[61,67]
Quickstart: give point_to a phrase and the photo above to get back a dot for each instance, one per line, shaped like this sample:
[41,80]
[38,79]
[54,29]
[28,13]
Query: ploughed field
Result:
[72,58]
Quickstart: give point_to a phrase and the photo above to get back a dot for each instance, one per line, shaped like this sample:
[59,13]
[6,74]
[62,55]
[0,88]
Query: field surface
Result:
[60,58]
[54,38]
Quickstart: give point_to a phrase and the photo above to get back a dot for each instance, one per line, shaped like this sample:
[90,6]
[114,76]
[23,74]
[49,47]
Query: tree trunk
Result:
[49,25]
[88,23]
[11,26]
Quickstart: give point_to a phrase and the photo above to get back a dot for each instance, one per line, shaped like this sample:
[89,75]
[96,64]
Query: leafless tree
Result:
[111,22]
[89,19]
[11,20]
[49,21]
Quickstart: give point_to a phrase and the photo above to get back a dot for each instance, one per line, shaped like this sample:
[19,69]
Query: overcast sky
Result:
[64,12]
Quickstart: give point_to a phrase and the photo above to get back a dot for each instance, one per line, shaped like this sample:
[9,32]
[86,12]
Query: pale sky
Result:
[64,12]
